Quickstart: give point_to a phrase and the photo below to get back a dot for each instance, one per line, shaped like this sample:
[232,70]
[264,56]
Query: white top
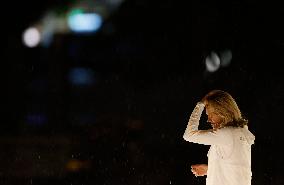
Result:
[229,156]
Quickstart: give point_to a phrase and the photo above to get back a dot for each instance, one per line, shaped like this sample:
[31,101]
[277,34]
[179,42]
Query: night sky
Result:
[148,70]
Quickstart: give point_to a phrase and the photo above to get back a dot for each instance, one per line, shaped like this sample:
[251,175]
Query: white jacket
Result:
[229,156]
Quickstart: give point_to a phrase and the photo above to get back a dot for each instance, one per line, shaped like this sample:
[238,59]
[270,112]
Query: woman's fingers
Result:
[195,171]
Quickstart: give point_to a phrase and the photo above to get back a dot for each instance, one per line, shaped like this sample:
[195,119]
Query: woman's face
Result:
[213,118]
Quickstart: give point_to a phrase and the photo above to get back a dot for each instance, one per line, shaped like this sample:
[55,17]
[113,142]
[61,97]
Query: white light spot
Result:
[31,37]
[212,62]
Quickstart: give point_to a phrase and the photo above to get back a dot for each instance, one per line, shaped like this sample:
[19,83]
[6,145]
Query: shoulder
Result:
[225,131]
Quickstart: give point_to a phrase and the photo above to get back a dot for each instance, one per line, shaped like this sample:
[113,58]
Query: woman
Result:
[229,156]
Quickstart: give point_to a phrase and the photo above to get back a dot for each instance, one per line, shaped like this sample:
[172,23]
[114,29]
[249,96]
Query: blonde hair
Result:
[225,106]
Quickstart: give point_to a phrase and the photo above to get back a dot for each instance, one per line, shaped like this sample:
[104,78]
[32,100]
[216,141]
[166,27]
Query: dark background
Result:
[127,127]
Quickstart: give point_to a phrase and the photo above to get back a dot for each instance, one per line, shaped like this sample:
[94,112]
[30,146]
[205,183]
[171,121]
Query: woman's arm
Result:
[193,122]
[207,137]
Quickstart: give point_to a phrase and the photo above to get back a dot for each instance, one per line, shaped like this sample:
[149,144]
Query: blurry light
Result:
[76,11]
[81,76]
[212,62]
[74,165]
[31,37]
[114,2]
[48,28]
[84,22]
[225,58]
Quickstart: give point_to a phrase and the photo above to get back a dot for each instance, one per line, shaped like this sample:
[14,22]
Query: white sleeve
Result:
[206,137]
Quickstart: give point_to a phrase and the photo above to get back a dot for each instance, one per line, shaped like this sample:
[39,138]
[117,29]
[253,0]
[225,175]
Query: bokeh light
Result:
[212,62]
[31,37]
[80,22]
[226,57]
[81,76]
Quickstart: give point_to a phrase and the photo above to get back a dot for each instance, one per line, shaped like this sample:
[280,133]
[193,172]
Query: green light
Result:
[76,12]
